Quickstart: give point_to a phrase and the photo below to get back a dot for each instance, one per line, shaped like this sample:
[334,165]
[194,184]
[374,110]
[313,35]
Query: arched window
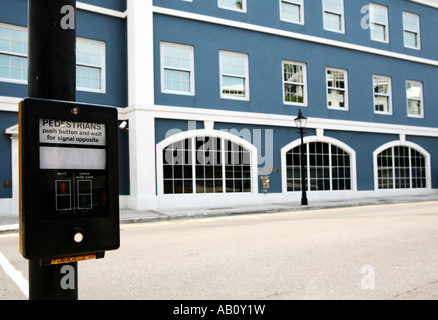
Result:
[401,167]
[328,168]
[330,165]
[206,164]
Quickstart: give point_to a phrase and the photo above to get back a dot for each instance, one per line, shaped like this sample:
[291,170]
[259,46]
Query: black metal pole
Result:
[304,201]
[52,75]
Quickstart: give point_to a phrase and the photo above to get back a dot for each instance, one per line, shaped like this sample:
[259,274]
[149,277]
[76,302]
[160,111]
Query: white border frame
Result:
[192,68]
[402,143]
[282,18]
[203,133]
[342,13]
[372,21]
[305,102]
[418,47]
[346,89]
[319,138]
[389,113]
[20,55]
[247,93]
[102,66]
[421,115]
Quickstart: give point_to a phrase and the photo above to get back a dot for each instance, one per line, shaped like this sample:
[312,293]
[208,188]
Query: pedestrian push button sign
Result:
[69,201]
[73,156]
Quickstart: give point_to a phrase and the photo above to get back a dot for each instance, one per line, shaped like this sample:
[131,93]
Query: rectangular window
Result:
[334,15]
[294,83]
[13,54]
[382,94]
[237,5]
[411,30]
[379,23]
[177,69]
[337,89]
[90,62]
[414,93]
[292,11]
[234,75]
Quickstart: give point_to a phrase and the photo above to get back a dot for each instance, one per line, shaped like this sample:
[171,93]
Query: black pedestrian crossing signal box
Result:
[69,203]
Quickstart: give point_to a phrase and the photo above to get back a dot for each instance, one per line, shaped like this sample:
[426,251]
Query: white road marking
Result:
[15,275]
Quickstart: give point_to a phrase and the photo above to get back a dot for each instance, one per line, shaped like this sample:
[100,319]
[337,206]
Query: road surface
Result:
[373,252]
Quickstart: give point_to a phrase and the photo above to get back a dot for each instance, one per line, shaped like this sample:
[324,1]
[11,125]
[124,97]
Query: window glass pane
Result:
[414,108]
[177,57]
[332,21]
[88,53]
[88,77]
[293,93]
[177,80]
[410,39]
[232,4]
[293,73]
[413,90]
[378,14]
[233,86]
[336,98]
[378,32]
[410,22]
[291,12]
[333,5]
[233,64]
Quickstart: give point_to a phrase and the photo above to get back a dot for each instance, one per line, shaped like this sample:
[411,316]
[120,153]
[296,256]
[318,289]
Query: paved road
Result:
[374,252]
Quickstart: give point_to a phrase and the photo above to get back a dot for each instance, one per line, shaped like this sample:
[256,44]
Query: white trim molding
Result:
[101,10]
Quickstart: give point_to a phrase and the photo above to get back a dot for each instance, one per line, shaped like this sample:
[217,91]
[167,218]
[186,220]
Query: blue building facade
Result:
[210,90]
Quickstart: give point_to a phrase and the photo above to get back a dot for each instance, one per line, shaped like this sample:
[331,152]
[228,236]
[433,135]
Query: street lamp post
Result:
[301,123]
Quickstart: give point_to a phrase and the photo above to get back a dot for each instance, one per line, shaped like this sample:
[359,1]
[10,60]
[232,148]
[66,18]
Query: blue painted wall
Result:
[7,119]
[265,54]
[267,13]
[89,25]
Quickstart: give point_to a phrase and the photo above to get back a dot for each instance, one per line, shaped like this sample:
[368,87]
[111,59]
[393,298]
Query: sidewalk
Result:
[9,224]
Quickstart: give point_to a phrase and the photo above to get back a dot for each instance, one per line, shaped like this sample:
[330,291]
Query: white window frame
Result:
[14,54]
[102,66]
[246,78]
[295,2]
[417,32]
[304,84]
[345,89]
[222,6]
[191,70]
[372,22]
[421,115]
[389,95]
[341,14]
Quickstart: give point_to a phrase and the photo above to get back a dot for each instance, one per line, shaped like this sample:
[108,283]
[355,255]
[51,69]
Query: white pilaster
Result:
[141,97]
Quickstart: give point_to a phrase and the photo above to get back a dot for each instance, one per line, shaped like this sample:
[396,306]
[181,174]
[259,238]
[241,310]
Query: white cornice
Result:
[274,120]
[430,3]
[101,10]
[289,34]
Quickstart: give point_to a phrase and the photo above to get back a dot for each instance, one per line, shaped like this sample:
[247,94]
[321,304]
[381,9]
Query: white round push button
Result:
[78,237]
